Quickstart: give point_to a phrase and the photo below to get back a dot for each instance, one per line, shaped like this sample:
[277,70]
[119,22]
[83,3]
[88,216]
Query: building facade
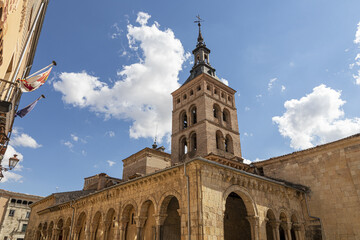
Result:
[20,26]
[203,190]
[14,214]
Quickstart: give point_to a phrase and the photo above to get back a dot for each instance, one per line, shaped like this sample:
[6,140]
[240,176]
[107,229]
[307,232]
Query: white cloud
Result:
[357,35]
[271,82]
[110,133]
[111,163]
[224,81]
[68,144]
[283,88]
[143,93]
[23,140]
[143,18]
[357,77]
[247,109]
[247,161]
[315,119]
[74,137]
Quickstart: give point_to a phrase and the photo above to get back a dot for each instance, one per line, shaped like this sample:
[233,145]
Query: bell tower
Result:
[204,117]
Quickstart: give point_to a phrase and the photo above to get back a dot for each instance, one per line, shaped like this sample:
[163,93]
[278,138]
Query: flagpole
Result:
[25,48]
[52,64]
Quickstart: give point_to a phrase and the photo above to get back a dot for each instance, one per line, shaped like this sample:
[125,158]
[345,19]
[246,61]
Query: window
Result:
[27,215]
[193,142]
[185,96]
[178,100]
[11,212]
[13,200]
[23,229]
[199,88]
[18,201]
[228,144]
[30,202]
[191,92]
[208,87]
[183,146]
[183,120]
[193,115]
[132,219]
[222,95]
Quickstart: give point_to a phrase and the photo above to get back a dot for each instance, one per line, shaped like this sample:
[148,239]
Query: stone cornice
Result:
[342,143]
[145,151]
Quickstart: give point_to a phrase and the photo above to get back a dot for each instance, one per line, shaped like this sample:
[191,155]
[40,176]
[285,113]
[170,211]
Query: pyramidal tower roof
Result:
[201,58]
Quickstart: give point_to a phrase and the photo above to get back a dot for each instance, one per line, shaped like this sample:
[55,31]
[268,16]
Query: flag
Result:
[22,113]
[33,83]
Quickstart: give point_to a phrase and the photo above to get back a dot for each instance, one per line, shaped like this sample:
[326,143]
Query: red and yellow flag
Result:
[33,83]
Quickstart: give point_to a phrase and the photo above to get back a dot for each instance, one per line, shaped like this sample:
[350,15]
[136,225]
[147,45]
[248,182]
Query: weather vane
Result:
[199,20]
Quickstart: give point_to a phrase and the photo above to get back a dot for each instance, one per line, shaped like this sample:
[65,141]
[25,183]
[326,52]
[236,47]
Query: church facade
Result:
[203,190]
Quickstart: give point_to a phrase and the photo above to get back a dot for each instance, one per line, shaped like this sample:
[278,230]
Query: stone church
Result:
[203,190]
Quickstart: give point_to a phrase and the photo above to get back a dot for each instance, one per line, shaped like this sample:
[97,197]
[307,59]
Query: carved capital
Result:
[160,218]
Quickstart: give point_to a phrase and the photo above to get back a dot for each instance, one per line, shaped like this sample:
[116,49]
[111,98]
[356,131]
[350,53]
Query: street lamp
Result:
[12,163]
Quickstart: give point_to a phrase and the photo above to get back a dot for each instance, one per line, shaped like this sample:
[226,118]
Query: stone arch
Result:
[165,199]
[80,226]
[270,225]
[295,230]
[39,232]
[183,120]
[226,117]
[44,230]
[50,230]
[147,220]
[228,144]
[96,226]
[110,224]
[170,211]
[245,196]
[67,227]
[183,146]
[219,140]
[60,228]
[129,219]
[193,114]
[193,142]
[216,112]
[283,225]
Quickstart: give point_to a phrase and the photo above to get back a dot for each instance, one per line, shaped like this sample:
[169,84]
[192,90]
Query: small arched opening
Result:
[60,227]
[216,113]
[295,228]
[226,118]
[130,218]
[110,224]
[283,226]
[228,144]
[219,140]
[183,146]
[236,225]
[96,231]
[183,120]
[193,142]
[193,112]
[80,226]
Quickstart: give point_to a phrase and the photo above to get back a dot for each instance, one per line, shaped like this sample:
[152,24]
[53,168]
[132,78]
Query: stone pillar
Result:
[107,225]
[287,229]
[66,233]
[254,224]
[140,222]
[159,219]
[275,227]
[122,229]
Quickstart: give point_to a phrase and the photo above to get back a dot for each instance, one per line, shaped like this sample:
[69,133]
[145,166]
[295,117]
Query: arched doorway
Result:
[80,226]
[97,232]
[236,225]
[130,218]
[171,228]
[110,224]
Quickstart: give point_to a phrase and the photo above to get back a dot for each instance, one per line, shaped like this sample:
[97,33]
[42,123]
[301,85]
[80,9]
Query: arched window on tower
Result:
[226,117]
[219,140]
[216,113]
[183,120]
[206,58]
[228,144]
[193,142]
[183,146]
[193,114]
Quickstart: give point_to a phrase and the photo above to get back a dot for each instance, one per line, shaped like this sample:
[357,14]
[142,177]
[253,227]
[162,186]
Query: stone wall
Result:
[332,171]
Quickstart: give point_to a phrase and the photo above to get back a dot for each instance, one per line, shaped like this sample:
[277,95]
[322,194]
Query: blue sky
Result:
[293,64]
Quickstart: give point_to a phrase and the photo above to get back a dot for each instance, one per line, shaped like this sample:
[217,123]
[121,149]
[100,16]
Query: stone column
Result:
[122,229]
[107,225]
[287,228]
[66,233]
[275,227]
[140,222]
[159,219]
[254,224]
